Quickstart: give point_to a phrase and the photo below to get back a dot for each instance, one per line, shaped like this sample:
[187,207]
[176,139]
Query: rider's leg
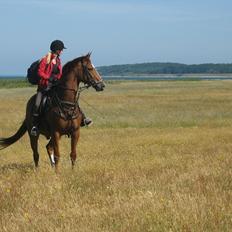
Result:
[85,121]
[34,130]
[37,103]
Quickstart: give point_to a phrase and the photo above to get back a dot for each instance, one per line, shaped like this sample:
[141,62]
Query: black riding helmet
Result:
[57,45]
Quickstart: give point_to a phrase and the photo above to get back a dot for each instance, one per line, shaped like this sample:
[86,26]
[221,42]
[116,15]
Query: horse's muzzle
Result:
[100,86]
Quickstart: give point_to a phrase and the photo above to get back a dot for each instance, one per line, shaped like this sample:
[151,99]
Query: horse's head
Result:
[90,75]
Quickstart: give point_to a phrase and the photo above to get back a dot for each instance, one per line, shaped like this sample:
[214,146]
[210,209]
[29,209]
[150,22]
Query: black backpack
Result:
[32,73]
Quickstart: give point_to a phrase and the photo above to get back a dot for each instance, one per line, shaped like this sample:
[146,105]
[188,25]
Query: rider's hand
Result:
[50,79]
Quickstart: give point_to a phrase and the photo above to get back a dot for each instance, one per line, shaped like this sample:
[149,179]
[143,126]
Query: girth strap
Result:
[68,103]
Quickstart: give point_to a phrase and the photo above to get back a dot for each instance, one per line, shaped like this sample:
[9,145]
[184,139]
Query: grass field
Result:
[158,158]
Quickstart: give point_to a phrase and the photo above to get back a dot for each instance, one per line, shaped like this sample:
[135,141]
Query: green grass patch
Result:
[14,83]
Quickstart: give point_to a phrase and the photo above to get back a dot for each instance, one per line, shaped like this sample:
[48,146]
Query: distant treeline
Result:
[164,68]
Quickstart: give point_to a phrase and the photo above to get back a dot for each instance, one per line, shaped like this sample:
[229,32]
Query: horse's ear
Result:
[89,54]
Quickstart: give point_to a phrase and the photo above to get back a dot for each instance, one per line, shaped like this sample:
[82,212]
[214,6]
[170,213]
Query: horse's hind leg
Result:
[50,152]
[34,147]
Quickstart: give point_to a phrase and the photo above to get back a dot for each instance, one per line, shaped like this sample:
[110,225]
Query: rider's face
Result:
[58,52]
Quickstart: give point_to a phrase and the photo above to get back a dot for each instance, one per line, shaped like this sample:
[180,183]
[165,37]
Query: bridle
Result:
[87,76]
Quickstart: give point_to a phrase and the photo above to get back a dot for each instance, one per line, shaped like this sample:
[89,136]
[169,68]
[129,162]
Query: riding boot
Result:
[34,129]
[85,121]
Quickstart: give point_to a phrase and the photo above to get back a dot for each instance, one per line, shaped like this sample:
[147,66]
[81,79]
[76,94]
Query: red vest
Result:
[46,66]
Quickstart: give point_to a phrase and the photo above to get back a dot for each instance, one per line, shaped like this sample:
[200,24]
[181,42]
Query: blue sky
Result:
[118,32]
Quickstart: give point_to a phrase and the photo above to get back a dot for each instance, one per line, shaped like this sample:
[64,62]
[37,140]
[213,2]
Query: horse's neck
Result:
[69,86]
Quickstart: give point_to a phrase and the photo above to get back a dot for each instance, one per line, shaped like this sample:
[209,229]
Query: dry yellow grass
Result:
[158,158]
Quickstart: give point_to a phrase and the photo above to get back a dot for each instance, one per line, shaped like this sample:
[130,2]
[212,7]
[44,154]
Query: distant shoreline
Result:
[19,77]
[5,80]
[146,76]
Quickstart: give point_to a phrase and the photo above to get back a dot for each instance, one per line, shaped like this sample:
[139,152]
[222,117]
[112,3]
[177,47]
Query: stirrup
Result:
[86,122]
[34,131]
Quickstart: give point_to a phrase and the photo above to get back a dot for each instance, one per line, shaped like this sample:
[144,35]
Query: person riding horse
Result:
[63,116]
[49,71]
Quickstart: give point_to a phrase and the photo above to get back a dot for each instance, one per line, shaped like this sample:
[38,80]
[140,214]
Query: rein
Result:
[62,87]
[76,92]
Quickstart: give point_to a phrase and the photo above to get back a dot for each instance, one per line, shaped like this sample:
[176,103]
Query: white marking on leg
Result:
[52,158]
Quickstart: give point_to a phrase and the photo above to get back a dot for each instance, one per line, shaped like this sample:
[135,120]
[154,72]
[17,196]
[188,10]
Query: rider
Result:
[49,71]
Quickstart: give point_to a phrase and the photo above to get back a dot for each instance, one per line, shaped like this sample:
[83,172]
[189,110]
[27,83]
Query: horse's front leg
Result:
[34,146]
[50,152]
[55,138]
[74,139]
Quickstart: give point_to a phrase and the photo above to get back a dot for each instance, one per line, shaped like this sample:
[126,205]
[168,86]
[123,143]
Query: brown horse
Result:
[62,116]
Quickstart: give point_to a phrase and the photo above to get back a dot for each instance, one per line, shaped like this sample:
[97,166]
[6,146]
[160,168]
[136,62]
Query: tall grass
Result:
[158,158]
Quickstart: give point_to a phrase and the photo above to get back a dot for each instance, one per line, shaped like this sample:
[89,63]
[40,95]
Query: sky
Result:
[117,32]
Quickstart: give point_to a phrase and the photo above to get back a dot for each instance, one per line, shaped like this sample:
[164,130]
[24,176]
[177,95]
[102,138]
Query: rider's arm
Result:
[42,69]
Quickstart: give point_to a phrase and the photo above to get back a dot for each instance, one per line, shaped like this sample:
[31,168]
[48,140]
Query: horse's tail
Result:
[5,142]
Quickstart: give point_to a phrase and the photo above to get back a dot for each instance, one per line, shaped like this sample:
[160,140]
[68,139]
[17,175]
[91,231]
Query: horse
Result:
[62,115]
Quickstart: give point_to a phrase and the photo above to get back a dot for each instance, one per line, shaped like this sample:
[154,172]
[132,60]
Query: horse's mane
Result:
[71,64]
